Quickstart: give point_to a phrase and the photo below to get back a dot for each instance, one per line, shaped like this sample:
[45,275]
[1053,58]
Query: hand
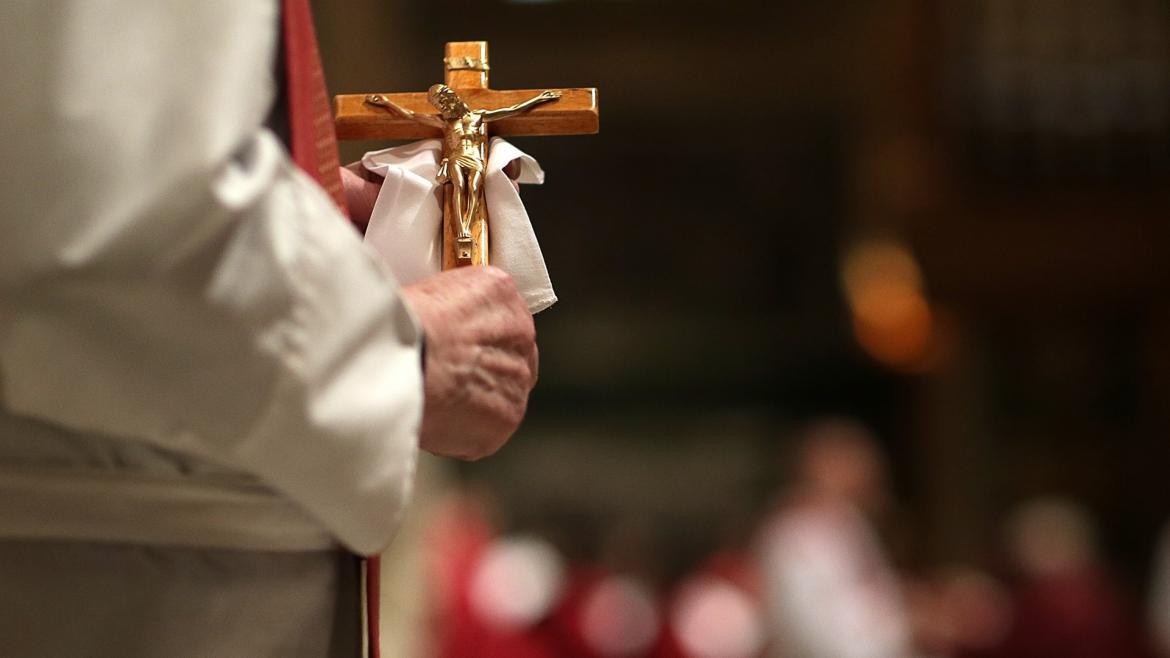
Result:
[481,360]
[513,170]
[361,192]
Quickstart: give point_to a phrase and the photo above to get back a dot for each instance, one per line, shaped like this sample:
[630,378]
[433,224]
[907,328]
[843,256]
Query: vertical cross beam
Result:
[466,69]
[465,65]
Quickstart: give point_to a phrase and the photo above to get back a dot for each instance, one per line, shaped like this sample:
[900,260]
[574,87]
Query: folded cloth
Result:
[405,223]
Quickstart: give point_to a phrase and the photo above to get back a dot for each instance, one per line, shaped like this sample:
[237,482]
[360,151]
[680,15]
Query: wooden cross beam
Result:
[574,114]
[414,116]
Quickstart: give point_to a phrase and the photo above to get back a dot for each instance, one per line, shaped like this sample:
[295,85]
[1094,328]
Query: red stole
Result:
[311,137]
[313,144]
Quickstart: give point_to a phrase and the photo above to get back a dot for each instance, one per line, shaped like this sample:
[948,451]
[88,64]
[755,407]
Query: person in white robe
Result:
[211,393]
[830,588]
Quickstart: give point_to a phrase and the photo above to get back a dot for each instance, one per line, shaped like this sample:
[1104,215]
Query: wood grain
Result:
[466,79]
[574,113]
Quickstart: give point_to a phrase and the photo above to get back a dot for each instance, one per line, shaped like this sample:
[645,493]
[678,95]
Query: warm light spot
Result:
[892,319]
[893,325]
[883,262]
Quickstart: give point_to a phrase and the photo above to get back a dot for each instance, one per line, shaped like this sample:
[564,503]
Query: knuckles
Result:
[498,280]
[489,358]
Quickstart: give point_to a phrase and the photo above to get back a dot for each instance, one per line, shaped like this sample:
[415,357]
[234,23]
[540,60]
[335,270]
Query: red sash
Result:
[314,148]
[311,137]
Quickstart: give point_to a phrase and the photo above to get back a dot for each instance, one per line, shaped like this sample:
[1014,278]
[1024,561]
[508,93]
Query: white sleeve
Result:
[168,276]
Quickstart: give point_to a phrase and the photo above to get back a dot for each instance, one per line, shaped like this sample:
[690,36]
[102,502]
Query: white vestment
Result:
[831,592]
[205,377]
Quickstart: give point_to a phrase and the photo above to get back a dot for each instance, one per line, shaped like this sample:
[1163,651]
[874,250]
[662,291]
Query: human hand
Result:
[513,170]
[481,360]
[361,192]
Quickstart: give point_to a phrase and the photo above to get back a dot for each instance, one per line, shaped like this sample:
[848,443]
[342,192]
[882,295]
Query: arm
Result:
[168,276]
[382,100]
[522,107]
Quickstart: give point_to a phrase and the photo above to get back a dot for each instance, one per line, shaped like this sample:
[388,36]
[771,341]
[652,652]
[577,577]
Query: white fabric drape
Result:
[405,223]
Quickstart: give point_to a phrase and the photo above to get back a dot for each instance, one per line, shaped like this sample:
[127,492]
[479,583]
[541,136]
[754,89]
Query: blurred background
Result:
[863,346]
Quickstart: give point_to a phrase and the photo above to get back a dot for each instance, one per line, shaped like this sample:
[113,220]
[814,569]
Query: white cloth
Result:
[170,283]
[405,225]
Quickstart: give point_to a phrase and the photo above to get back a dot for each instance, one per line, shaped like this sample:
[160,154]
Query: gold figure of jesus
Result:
[465,138]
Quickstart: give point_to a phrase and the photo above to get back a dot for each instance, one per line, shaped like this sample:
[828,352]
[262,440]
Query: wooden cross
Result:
[466,68]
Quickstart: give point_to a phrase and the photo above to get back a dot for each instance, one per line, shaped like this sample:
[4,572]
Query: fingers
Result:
[506,295]
[358,169]
[361,193]
[482,359]
[512,169]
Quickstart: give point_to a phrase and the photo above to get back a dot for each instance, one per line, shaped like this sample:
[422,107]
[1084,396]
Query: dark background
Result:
[1018,152]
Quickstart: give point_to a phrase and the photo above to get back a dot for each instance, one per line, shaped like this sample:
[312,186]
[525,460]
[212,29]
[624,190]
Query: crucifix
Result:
[464,112]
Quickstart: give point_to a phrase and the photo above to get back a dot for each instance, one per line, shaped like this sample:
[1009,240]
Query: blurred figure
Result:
[960,612]
[830,589]
[1066,603]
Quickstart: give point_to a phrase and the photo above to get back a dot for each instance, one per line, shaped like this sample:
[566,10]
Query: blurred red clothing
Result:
[728,569]
[459,538]
[1074,614]
[606,615]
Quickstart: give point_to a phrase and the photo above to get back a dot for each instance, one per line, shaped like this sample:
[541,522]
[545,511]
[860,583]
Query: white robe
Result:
[196,350]
[830,588]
